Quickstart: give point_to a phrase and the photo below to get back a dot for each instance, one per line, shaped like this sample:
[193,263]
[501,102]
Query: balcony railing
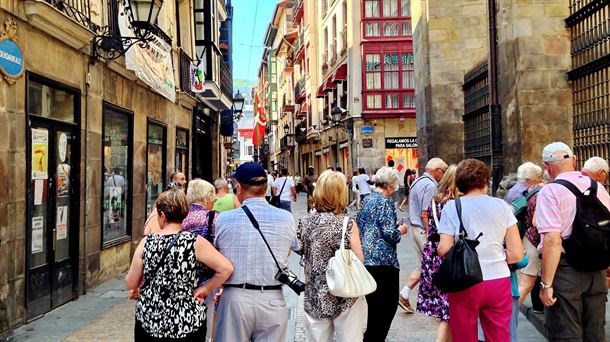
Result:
[77,10]
[185,73]
[287,141]
[297,10]
[333,53]
[299,88]
[325,61]
[226,80]
[344,40]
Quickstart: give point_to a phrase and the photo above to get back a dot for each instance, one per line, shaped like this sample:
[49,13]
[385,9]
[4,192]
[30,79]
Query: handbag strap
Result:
[161,261]
[345,222]
[283,185]
[434,215]
[255,224]
[458,207]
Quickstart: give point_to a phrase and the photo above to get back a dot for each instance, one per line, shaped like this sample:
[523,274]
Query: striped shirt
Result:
[241,243]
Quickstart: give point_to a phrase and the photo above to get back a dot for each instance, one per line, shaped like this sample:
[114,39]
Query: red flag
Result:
[260,122]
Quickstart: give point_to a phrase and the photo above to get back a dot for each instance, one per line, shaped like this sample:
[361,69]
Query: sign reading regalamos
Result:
[11,56]
[400,143]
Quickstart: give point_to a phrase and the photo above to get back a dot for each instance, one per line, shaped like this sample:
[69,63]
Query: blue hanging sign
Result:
[367,130]
[11,56]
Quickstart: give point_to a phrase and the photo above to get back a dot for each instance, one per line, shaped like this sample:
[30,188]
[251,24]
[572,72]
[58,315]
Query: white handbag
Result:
[346,276]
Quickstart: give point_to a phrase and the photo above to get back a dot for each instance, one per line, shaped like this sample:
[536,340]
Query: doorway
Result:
[52,196]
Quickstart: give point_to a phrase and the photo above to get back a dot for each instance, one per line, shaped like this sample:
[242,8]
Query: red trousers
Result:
[490,301]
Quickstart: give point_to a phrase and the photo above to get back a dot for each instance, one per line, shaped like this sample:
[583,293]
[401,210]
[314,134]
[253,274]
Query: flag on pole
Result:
[260,122]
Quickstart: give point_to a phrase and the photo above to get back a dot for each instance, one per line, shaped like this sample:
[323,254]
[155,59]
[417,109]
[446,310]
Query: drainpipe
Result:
[85,258]
[494,103]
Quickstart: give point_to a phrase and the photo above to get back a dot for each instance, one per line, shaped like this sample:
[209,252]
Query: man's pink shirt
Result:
[556,205]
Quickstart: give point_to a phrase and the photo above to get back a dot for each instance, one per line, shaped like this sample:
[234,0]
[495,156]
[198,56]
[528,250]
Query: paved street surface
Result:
[105,315]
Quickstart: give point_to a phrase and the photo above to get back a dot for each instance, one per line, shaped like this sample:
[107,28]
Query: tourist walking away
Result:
[270,181]
[225,200]
[363,183]
[492,221]
[285,189]
[524,208]
[201,222]
[298,182]
[407,181]
[355,192]
[320,234]
[430,300]
[379,234]
[170,304]
[422,191]
[396,195]
[309,182]
[252,306]
[573,286]
[597,169]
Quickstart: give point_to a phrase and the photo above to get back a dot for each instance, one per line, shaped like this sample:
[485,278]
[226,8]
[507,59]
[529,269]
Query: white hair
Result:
[200,191]
[595,164]
[436,163]
[220,183]
[385,177]
[529,171]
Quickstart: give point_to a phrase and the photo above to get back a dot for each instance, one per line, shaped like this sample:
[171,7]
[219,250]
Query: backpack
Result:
[519,205]
[588,248]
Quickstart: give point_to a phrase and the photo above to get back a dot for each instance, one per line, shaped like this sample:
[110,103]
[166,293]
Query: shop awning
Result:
[321,93]
[329,86]
[303,110]
[341,74]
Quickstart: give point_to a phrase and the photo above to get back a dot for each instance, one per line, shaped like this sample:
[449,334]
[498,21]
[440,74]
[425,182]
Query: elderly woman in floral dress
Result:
[431,301]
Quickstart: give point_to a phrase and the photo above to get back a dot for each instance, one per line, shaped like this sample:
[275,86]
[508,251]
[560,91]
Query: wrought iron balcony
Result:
[333,53]
[287,142]
[324,61]
[77,10]
[226,80]
[299,88]
[344,40]
[185,73]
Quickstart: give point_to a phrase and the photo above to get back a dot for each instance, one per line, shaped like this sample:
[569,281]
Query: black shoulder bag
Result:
[283,275]
[275,200]
[135,294]
[206,272]
[461,268]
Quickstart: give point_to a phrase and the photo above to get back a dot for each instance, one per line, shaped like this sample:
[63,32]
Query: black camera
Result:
[287,277]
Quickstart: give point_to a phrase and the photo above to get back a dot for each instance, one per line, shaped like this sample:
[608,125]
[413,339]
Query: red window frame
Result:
[382,50]
[381,20]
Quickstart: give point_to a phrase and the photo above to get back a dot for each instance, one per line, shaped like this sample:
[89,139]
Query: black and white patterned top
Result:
[320,236]
[166,307]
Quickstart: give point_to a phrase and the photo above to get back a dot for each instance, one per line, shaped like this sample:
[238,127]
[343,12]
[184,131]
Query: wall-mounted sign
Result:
[409,142]
[326,150]
[367,130]
[367,143]
[11,55]
[197,78]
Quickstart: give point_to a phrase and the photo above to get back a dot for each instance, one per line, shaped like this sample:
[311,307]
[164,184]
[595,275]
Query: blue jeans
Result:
[287,205]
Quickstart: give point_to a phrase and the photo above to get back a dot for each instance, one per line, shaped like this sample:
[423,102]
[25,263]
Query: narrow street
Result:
[104,314]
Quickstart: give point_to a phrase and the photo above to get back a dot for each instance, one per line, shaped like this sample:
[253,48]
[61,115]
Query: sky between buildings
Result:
[250,20]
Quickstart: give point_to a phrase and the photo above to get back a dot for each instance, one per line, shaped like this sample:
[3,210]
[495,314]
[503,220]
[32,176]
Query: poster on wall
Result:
[37,230]
[197,78]
[63,180]
[403,151]
[152,64]
[40,153]
[61,224]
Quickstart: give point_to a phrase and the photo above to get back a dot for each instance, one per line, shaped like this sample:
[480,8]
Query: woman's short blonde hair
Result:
[330,193]
[200,191]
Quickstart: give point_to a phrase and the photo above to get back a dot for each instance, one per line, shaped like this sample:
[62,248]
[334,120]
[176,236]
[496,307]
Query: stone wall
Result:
[449,40]
[533,58]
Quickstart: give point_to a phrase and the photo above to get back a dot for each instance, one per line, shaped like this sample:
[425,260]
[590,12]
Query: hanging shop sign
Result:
[408,142]
[11,55]
[367,130]
[152,64]
[227,124]
[344,145]
[367,143]
[197,78]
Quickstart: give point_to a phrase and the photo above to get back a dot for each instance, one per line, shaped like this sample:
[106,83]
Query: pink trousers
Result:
[491,302]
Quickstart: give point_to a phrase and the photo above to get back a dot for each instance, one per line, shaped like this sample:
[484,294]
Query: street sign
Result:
[367,143]
[11,55]
[367,130]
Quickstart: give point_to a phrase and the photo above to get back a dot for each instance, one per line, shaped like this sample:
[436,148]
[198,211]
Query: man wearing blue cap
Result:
[252,307]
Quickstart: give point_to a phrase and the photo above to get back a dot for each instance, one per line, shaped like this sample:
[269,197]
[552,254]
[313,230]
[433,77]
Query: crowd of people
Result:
[213,261]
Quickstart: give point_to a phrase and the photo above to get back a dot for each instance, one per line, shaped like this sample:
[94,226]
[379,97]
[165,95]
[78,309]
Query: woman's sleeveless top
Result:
[166,307]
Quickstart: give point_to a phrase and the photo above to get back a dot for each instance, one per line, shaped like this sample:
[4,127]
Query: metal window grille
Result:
[77,10]
[477,115]
[589,23]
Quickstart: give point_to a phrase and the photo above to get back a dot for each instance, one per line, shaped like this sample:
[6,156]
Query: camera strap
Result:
[255,224]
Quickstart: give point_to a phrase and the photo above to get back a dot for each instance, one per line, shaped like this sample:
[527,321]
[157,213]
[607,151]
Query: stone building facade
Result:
[533,95]
[85,148]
